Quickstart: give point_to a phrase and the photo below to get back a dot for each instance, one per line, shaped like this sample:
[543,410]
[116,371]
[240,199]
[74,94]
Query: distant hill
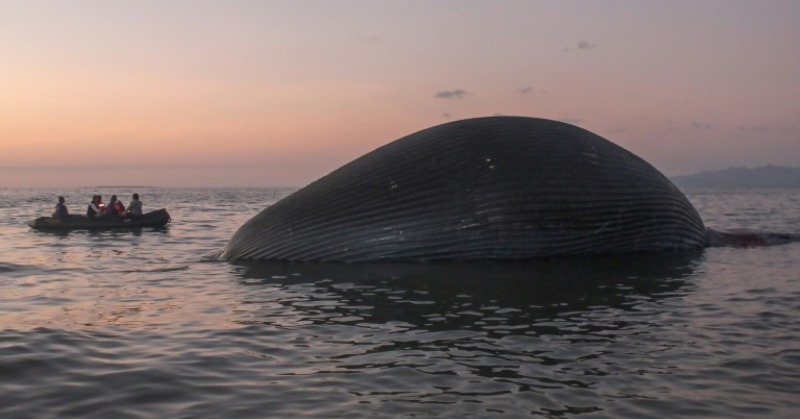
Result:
[742,177]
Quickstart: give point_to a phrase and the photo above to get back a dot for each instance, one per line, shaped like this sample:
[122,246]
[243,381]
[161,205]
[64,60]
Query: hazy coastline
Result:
[769,176]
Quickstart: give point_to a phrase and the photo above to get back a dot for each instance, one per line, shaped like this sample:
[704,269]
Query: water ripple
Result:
[122,324]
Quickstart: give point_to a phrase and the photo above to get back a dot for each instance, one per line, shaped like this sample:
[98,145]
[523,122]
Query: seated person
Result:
[61,212]
[135,207]
[115,207]
[95,208]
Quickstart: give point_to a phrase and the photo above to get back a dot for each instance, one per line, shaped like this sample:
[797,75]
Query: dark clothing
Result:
[92,211]
[119,208]
[115,208]
[61,211]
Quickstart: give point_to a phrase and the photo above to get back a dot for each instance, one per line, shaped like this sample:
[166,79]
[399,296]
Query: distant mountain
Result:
[742,177]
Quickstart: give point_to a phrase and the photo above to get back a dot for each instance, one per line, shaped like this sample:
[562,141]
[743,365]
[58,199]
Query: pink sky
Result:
[279,93]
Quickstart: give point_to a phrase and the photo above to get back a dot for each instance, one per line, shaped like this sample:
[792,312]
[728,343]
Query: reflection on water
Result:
[121,324]
[504,298]
[553,337]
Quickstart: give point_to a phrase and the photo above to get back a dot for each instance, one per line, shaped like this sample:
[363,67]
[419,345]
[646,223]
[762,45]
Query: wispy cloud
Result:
[701,125]
[581,46]
[530,90]
[451,94]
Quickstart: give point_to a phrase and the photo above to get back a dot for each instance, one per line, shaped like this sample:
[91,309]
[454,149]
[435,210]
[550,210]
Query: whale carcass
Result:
[477,189]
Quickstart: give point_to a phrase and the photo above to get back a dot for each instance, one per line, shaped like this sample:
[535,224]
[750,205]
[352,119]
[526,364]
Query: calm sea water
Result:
[140,324]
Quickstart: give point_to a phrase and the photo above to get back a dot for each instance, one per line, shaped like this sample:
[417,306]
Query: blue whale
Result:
[479,189]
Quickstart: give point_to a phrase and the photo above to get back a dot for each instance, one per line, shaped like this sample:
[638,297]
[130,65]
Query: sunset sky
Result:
[279,93]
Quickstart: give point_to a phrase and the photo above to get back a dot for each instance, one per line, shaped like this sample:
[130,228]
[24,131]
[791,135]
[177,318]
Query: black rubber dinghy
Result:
[157,218]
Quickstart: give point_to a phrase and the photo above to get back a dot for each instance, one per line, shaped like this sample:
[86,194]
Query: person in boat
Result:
[96,207]
[115,207]
[135,207]
[61,212]
[101,205]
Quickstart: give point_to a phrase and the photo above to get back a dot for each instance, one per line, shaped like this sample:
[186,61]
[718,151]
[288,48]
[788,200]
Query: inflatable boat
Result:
[157,218]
